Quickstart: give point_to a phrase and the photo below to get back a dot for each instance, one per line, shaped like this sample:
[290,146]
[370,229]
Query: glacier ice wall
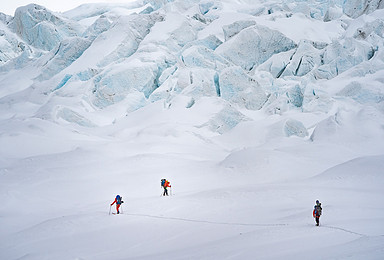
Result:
[253,46]
[41,28]
[242,53]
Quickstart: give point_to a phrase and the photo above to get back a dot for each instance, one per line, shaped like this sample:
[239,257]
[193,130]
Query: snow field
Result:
[215,212]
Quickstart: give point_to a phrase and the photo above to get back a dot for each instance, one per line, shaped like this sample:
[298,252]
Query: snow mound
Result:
[362,170]
[226,119]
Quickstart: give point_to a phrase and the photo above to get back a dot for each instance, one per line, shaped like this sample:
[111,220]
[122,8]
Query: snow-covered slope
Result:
[252,109]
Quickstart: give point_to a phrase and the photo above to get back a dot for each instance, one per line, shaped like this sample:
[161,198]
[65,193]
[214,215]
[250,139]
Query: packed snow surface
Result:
[253,110]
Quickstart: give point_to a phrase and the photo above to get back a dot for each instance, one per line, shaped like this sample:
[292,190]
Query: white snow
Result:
[155,89]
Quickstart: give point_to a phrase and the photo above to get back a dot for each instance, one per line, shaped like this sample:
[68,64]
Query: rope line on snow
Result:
[208,222]
[239,224]
[345,230]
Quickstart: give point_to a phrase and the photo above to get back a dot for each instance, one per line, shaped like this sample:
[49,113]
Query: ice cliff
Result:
[271,56]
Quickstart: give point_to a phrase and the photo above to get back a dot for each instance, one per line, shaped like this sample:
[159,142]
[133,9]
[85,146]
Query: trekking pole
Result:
[170,189]
[110,206]
[121,206]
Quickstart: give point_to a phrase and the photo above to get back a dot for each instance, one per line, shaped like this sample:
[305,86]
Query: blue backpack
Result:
[162,182]
[119,199]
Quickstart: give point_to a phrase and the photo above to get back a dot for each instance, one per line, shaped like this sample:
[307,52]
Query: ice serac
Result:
[63,55]
[101,25]
[277,64]
[201,83]
[303,61]
[254,45]
[184,51]
[297,62]
[371,31]
[238,87]
[190,82]
[11,46]
[334,9]
[355,8]
[184,34]
[340,56]
[157,4]
[199,56]
[295,96]
[4,18]
[294,127]
[134,28]
[125,79]
[210,42]
[363,92]
[234,28]
[41,28]
[207,8]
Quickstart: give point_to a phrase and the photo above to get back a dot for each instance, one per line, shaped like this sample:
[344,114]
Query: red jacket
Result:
[115,201]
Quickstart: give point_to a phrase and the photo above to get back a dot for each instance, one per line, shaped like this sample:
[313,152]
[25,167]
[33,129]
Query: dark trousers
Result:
[317,220]
[165,191]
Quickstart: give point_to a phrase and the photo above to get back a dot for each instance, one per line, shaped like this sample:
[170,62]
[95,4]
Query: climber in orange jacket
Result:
[165,184]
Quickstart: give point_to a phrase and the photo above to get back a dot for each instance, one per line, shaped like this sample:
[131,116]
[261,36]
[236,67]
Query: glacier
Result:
[131,62]
[253,109]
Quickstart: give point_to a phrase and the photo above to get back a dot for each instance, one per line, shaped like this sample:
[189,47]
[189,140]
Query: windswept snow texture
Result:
[252,109]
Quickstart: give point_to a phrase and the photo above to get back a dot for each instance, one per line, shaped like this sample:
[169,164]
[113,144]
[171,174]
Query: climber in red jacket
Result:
[118,200]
